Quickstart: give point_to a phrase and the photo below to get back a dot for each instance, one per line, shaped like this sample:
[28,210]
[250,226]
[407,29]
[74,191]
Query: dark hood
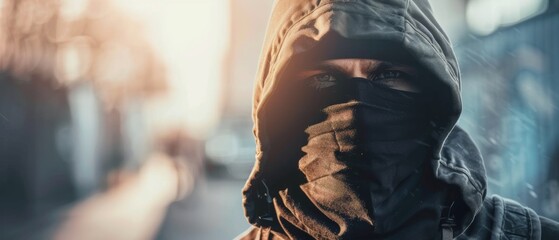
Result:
[299,27]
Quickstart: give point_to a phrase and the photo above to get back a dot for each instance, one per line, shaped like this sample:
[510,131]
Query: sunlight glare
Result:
[191,38]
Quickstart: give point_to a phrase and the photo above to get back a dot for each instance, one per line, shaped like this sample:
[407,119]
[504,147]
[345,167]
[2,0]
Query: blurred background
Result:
[130,119]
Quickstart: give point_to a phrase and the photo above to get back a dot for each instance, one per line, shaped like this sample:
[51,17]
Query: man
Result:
[355,110]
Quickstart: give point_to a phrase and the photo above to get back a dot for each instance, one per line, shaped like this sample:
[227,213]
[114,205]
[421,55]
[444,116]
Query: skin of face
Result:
[326,73]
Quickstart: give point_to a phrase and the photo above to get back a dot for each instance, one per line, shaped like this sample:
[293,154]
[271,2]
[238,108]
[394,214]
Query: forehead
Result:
[351,62]
[346,65]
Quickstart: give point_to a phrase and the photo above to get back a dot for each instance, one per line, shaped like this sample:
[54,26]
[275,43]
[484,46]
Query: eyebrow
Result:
[370,67]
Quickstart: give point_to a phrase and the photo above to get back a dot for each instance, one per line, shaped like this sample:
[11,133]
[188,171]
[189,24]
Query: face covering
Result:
[364,164]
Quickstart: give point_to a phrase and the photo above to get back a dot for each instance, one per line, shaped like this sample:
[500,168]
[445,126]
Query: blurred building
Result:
[509,91]
[77,82]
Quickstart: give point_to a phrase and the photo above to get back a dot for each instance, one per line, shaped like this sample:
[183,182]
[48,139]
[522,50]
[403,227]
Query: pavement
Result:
[137,208]
[212,212]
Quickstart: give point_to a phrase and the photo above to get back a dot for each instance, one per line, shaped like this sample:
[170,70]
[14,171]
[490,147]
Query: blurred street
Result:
[111,110]
[213,212]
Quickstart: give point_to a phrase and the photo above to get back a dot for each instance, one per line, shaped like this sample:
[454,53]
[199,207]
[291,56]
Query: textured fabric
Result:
[505,219]
[363,166]
[498,218]
[301,31]
[550,228]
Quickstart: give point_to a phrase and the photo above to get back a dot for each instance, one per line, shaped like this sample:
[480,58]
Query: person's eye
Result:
[396,79]
[324,77]
[392,78]
[390,75]
[323,80]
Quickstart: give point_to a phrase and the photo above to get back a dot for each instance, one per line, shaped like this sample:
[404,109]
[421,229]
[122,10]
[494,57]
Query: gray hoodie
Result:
[298,26]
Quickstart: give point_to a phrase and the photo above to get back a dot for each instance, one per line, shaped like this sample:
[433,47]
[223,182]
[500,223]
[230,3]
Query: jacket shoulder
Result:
[518,220]
[550,228]
[502,218]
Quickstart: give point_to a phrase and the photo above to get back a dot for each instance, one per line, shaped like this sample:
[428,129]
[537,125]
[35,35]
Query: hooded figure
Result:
[364,157]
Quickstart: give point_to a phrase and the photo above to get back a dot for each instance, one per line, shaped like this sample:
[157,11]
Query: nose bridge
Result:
[359,70]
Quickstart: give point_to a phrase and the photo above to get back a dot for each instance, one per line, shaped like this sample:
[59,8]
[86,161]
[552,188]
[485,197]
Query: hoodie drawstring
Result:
[267,216]
[447,223]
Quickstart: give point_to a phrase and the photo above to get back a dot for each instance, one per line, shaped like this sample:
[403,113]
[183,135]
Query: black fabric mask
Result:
[363,165]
